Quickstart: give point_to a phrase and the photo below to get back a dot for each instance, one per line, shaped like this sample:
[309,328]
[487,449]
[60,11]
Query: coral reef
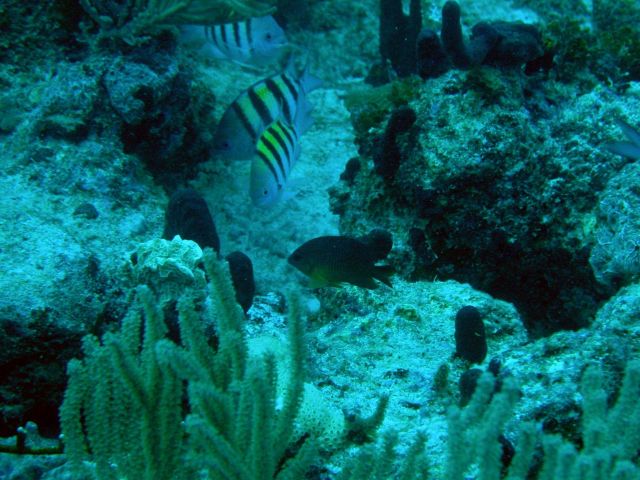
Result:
[486,196]
[233,423]
[153,96]
[494,184]
[615,258]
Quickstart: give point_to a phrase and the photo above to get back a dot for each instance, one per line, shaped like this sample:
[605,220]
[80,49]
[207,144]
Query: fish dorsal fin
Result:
[309,82]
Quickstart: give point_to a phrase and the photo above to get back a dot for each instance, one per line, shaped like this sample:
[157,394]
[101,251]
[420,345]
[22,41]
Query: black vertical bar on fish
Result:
[293,92]
[236,34]
[287,81]
[279,138]
[275,90]
[244,120]
[224,40]
[259,106]
[268,163]
[274,152]
[249,32]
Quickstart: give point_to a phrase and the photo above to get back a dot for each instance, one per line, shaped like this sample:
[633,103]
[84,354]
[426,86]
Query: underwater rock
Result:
[485,196]
[351,169]
[66,106]
[86,210]
[516,43]
[152,94]
[188,215]
[133,88]
[33,364]
[241,270]
[615,257]
[620,314]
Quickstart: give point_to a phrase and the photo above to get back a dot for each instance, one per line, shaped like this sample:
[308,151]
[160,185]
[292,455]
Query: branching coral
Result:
[124,406]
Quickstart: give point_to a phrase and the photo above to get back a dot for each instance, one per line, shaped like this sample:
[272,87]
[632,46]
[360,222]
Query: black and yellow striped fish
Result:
[280,96]
[254,41]
[277,150]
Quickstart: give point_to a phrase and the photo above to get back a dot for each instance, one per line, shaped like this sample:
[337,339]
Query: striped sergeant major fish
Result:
[281,96]
[254,41]
[277,151]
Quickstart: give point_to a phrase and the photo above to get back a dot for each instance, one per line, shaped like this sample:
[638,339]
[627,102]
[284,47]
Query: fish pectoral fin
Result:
[318,278]
[317,282]
[383,273]
[364,282]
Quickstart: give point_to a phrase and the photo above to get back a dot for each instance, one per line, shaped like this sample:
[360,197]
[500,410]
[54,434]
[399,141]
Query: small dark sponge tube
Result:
[241,270]
[188,215]
[471,341]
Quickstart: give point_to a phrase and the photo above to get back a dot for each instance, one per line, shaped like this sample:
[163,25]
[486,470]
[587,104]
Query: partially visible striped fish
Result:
[630,149]
[280,96]
[255,41]
[277,151]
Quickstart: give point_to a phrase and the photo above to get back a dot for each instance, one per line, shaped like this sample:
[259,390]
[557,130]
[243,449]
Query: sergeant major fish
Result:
[332,260]
[260,105]
[277,151]
[255,41]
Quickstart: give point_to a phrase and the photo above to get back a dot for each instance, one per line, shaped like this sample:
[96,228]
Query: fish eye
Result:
[265,192]
[268,36]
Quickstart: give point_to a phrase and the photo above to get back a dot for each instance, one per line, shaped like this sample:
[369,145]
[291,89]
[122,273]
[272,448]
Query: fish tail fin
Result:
[383,273]
[626,149]
[303,119]
[308,81]
[631,133]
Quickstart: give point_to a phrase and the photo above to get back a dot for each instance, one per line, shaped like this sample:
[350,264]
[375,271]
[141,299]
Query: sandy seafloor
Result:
[361,343]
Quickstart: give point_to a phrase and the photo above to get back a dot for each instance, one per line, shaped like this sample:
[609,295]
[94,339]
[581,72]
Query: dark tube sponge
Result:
[398,34]
[241,270]
[188,215]
[451,34]
[471,342]
[388,159]
[432,60]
